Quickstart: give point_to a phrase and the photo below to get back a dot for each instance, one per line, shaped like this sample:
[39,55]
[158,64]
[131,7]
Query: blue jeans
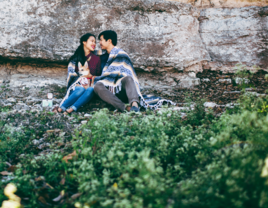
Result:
[77,98]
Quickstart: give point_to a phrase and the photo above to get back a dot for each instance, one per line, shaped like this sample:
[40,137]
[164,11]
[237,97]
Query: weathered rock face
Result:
[224,3]
[235,35]
[155,33]
[169,42]
[32,74]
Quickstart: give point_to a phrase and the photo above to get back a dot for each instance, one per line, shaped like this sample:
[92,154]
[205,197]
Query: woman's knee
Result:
[89,90]
[79,91]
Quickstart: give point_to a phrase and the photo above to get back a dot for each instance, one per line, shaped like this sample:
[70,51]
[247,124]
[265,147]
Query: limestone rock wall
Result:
[169,42]
[224,3]
[155,33]
[234,35]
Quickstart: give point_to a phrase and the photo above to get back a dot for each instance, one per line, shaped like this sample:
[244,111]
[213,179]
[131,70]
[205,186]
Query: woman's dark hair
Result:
[79,54]
[109,34]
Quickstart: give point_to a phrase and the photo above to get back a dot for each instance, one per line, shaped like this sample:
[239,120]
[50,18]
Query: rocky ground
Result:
[216,88]
[44,132]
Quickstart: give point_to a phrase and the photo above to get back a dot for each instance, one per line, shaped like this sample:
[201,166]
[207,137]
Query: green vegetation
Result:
[152,159]
[243,75]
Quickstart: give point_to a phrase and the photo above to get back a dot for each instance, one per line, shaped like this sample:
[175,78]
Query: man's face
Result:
[103,43]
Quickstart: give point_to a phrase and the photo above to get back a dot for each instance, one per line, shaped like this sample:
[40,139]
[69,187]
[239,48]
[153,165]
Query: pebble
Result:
[180,108]
[83,122]
[70,118]
[8,104]
[87,115]
[239,80]
[231,92]
[206,80]
[20,106]
[12,100]
[225,80]
[42,146]
[62,134]
[210,104]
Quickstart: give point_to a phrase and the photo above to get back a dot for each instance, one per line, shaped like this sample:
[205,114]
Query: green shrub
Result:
[155,159]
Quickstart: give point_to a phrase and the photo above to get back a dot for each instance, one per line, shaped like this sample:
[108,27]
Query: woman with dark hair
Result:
[79,90]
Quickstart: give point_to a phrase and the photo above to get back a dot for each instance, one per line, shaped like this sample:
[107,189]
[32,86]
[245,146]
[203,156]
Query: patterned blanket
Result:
[119,66]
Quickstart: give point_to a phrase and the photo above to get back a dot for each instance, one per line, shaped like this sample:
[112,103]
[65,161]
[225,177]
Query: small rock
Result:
[256,94]
[210,104]
[231,92]
[87,115]
[180,108]
[239,80]
[206,80]
[70,118]
[21,106]
[36,142]
[8,104]
[42,146]
[229,81]
[34,110]
[189,82]
[229,105]
[3,115]
[83,122]
[12,100]
[62,134]
[183,115]
[57,100]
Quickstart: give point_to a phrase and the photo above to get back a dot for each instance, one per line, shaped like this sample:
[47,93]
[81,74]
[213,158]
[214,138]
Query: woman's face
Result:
[90,44]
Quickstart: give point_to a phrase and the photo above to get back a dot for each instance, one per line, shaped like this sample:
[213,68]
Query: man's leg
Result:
[128,92]
[128,85]
[108,96]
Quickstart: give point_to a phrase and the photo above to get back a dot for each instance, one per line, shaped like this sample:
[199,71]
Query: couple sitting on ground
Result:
[109,73]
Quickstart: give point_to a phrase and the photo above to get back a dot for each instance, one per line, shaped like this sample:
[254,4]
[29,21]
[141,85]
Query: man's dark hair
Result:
[109,34]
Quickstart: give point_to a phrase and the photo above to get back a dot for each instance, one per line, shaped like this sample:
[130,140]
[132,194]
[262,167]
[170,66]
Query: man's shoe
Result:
[135,109]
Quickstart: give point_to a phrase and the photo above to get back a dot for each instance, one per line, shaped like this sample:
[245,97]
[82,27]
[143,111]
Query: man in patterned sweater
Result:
[126,89]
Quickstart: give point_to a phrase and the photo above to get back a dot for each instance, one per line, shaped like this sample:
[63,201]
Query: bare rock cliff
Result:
[234,35]
[224,3]
[154,33]
[168,41]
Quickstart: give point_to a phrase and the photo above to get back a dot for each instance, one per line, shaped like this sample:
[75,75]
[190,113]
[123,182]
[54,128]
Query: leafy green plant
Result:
[150,159]
[264,108]
[243,75]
